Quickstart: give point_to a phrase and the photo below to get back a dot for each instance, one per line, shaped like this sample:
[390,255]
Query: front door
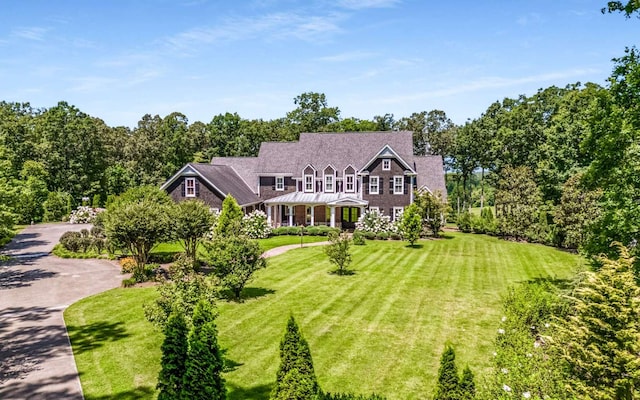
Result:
[350,216]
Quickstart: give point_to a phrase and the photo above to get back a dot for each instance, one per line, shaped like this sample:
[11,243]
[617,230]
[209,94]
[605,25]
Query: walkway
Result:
[36,361]
[276,251]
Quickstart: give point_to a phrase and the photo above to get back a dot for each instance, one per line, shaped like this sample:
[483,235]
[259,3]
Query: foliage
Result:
[484,223]
[358,238]
[600,339]
[411,224]
[312,113]
[174,356]
[82,215]
[319,230]
[523,361]
[373,221]
[517,201]
[338,252]
[191,222]
[467,385]
[628,9]
[234,260]
[71,241]
[204,364]
[255,225]
[138,227]
[432,209]
[56,206]
[229,221]
[295,378]
[346,396]
[578,208]
[180,294]
[464,222]
[448,385]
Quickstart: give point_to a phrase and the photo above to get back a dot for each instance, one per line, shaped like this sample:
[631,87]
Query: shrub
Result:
[395,236]
[255,225]
[313,231]
[98,244]
[128,265]
[373,221]
[382,236]
[97,232]
[338,252]
[129,282]
[465,222]
[71,241]
[369,235]
[358,238]
[56,206]
[82,215]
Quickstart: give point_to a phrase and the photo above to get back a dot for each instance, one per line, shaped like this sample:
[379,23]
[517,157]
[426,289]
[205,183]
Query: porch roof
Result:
[330,199]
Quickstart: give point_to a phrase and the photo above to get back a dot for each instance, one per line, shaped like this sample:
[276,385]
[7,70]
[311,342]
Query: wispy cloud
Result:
[529,19]
[362,4]
[31,33]
[274,26]
[346,57]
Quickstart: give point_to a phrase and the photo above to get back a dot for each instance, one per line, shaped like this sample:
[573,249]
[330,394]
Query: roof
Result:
[332,199]
[430,174]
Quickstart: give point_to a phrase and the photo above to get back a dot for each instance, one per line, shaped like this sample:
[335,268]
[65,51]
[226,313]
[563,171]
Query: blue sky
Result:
[119,60]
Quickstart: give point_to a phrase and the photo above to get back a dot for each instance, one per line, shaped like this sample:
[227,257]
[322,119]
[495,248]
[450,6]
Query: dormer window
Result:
[308,183]
[279,183]
[349,183]
[190,187]
[386,164]
[328,183]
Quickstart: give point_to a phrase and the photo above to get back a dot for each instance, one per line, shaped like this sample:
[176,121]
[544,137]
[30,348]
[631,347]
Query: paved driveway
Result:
[36,361]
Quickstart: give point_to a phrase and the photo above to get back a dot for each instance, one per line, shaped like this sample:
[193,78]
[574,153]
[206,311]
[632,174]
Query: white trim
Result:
[329,180]
[188,187]
[387,152]
[280,188]
[311,182]
[401,178]
[386,164]
[377,191]
[397,212]
[376,209]
[353,183]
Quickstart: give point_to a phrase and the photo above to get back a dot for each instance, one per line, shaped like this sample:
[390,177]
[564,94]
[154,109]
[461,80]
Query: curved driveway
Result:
[36,361]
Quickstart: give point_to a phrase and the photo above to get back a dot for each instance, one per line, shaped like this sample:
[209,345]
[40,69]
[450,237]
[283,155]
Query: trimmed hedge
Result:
[319,230]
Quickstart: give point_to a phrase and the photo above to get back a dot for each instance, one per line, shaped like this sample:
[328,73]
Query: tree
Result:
[203,367]
[600,339]
[632,6]
[312,113]
[411,224]
[467,385]
[191,221]
[432,208]
[56,207]
[138,227]
[447,387]
[432,132]
[174,356]
[338,252]
[230,219]
[32,192]
[576,212]
[295,378]
[234,260]
[517,201]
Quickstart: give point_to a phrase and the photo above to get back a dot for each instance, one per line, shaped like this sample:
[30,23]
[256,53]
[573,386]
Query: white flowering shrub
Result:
[210,235]
[374,222]
[83,215]
[255,225]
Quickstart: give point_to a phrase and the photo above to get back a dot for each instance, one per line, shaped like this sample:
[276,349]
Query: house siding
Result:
[268,187]
[208,196]
[387,200]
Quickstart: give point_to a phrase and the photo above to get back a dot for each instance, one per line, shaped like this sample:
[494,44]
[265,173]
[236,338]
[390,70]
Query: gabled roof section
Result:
[430,174]
[388,152]
[221,178]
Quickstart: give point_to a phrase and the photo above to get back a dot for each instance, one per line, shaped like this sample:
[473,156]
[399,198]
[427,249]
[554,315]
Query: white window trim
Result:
[353,183]
[328,178]
[186,187]
[397,212]
[280,187]
[377,179]
[309,180]
[386,164]
[395,178]
[376,209]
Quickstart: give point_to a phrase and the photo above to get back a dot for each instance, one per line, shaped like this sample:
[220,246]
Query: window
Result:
[279,183]
[397,213]
[328,183]
[308,183]
[350,183]
[386,164]
[374,185]
[190,187]
[398,185]
[376,209]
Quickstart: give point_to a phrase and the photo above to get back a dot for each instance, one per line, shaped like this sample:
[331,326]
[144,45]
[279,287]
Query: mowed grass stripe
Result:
[381,330]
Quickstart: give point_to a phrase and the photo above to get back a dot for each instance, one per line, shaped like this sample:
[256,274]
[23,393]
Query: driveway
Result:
[36,361]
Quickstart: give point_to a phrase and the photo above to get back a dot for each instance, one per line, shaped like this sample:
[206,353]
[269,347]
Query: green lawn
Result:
[380,330]
[266,244]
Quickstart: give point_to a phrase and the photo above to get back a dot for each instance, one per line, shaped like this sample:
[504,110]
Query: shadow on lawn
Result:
[562,284]
[247,293]
[89,337]
[258,392]
[144,392]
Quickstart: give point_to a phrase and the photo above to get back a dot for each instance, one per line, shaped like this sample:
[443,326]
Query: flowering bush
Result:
[83,215]
[374,222]
[255,225]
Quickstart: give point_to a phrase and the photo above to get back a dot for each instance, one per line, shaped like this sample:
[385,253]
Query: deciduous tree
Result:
[338,252]
[191,221]
[411,225]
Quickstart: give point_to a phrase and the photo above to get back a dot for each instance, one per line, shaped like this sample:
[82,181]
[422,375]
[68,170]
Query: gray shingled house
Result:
[322,179]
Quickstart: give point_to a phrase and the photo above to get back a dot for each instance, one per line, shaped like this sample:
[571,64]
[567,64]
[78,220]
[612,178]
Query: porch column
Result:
[333,217]
[290,215]
[313,217]
[269,215]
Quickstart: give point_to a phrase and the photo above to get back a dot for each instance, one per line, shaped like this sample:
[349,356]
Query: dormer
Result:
[386,156]
[349,180]
[329,179]
[309,179]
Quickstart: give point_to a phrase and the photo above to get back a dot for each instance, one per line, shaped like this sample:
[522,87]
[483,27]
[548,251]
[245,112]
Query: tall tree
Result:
[203,368]
[313,113]
[447,387]
[230,219]
[628,8]
[295,378]
[174,356]
[191,220]
[576,212]
[432,132]
[467,385]
[411,224]
[517,201]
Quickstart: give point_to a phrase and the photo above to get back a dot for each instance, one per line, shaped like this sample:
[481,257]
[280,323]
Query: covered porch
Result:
[312,209]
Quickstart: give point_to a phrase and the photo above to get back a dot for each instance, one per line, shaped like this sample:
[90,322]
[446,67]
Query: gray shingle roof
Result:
[226,179]
[430,173]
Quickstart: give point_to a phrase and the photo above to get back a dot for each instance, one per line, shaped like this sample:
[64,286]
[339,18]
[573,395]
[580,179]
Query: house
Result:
[322,179]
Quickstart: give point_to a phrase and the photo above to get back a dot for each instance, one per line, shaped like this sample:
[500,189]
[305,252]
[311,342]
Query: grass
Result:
[379,330]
